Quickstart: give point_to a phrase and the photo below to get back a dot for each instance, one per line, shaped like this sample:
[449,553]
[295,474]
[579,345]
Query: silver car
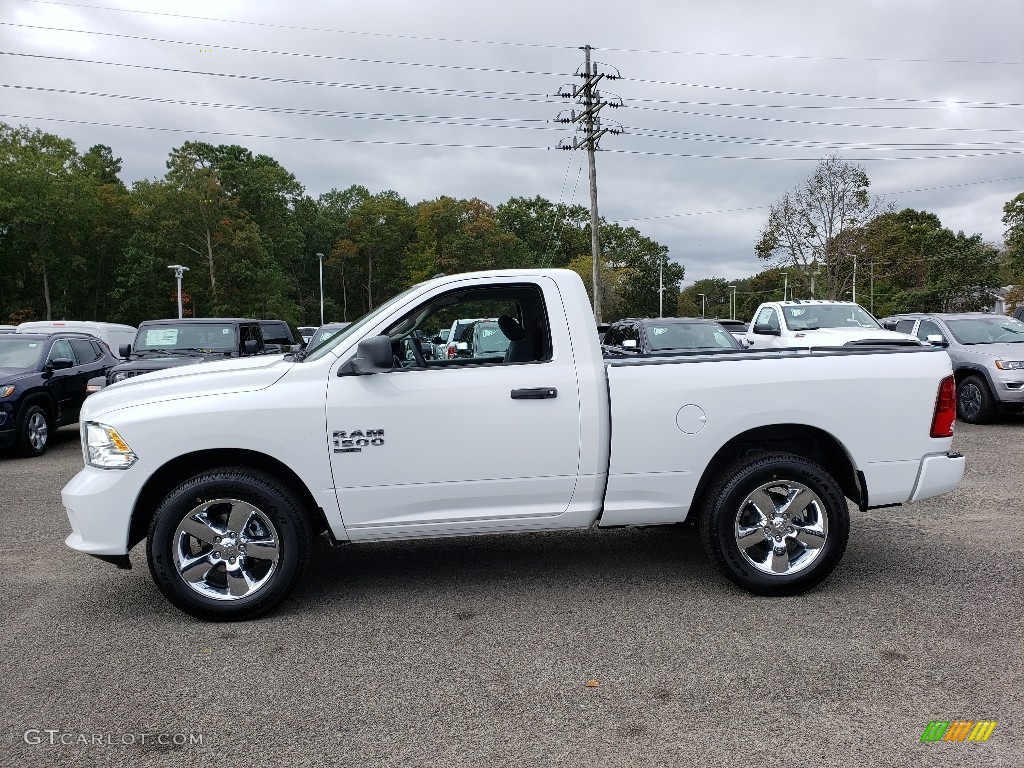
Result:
[988,358]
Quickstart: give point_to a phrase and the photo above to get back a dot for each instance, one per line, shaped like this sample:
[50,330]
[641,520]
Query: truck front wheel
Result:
[228,544]
[776,524]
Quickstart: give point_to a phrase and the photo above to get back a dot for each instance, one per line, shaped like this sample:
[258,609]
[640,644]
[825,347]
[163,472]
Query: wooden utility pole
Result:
[589,98]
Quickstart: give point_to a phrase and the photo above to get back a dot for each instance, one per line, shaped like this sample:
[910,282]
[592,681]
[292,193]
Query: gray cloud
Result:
[703,83]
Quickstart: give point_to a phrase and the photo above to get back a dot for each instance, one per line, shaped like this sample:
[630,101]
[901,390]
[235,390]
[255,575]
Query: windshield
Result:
[19,353]
[212,337]
[664,336]
[811,317]
[987,330]
[326,346]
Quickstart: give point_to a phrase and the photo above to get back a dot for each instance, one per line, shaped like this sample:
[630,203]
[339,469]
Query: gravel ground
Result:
[477,651]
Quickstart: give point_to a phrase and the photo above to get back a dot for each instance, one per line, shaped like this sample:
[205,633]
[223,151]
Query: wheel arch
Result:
[42,397]
[179,469]
[811,443]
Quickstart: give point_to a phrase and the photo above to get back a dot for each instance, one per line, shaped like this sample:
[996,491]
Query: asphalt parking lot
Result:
[476,652]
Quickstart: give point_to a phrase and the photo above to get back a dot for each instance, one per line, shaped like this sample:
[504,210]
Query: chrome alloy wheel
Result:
[781,527]
[38,431]
[226,549]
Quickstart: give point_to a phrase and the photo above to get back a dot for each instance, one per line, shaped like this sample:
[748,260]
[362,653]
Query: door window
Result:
[85,351]
[499,324]
[929,328]
[768,317]
[60,348]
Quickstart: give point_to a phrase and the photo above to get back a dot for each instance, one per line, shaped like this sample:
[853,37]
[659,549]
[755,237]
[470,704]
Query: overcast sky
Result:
[727,104]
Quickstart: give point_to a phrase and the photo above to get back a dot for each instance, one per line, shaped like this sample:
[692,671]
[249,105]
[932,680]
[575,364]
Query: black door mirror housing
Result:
[373,355]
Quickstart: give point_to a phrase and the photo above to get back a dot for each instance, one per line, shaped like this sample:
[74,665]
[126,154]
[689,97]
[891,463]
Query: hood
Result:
[220,377]
[157,362]
[14,375]
[1013,351]
[837,337]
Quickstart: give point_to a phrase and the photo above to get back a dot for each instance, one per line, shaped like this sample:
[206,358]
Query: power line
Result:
[297,54]
[486,146]
[941,103]
[204,132]
[462,41]
[460,121]
[765,207]
[300,81]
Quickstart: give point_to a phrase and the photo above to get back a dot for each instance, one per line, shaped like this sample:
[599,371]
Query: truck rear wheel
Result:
[228,544]
[776,524]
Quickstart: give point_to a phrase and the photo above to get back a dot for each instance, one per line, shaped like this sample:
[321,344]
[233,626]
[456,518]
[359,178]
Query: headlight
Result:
[105,449]
[121,376]
[1009,365]
[6,391]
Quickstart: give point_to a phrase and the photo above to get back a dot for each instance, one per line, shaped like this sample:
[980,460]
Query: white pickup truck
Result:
[228,469]
[810,323]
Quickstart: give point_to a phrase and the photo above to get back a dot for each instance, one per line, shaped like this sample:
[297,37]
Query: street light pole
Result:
[320,256]
[702,297]
[661,288]
[732,303]
[179,270]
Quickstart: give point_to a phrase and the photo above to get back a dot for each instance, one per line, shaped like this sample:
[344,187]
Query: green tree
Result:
[548,235]
[58,211]
[1013,218]
[642,265]
[459,236]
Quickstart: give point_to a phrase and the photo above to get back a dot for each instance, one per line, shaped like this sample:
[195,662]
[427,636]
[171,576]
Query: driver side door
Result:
[459,446]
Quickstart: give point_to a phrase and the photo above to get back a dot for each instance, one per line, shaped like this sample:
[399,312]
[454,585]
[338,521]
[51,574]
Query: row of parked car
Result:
[987,350]
[47,369]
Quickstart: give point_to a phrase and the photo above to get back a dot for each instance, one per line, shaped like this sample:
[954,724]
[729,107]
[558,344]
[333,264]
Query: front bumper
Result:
[99,504]
[938,474]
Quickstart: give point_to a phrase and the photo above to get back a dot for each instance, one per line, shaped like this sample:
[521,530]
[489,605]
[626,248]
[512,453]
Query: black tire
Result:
[33,433]
[211,527]
[784,549]
[974,402]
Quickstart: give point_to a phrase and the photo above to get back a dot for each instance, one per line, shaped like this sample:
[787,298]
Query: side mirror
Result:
[437,340]
[125,350]
[937,339]
[766,330]
[373,355]
[60,364]
[250,347]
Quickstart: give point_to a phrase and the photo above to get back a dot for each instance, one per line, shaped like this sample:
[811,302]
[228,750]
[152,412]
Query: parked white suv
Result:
[114,334]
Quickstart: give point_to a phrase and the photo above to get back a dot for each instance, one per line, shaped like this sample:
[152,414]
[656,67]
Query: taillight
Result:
[945,409]
[451,351]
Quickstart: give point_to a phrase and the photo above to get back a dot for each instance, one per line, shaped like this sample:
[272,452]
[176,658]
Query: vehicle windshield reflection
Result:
[322,349]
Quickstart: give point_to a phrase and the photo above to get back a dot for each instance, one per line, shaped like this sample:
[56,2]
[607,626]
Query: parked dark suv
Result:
[161,344]
[279,336]
[42,384]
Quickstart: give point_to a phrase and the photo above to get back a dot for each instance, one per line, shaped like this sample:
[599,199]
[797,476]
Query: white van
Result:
[114,334]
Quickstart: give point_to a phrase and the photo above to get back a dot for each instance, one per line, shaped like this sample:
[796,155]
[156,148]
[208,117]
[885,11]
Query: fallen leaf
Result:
[592,684]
